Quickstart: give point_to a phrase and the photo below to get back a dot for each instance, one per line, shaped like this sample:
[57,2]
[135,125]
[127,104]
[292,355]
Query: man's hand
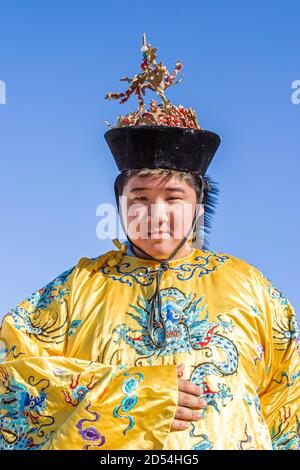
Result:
[188,403]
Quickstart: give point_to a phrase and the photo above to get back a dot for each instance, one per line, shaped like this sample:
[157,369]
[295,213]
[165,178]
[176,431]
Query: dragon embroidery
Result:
[188,328]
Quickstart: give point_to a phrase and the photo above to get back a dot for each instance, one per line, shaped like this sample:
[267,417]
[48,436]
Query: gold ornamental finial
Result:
[155,77]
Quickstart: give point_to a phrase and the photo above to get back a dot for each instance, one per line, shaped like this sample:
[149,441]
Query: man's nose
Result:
[159,212]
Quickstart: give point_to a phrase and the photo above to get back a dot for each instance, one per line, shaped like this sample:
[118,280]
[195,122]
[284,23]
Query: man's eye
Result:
[174,198]
[140,198]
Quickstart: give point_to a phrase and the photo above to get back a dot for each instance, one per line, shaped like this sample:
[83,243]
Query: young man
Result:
[156,345]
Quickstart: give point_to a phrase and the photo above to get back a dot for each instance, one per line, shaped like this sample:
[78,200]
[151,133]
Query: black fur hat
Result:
[177,148]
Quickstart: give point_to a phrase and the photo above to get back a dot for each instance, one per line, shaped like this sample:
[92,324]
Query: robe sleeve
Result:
[51,401]
[280,399]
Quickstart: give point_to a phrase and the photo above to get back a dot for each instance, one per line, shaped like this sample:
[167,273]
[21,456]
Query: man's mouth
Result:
[159,234]
[158,231]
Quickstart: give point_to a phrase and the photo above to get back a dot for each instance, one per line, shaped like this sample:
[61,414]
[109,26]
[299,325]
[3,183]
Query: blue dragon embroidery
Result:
[21,418]
[32,317]
[188,328]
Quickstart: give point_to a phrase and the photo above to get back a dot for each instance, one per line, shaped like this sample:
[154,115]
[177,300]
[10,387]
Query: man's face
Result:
[157,212]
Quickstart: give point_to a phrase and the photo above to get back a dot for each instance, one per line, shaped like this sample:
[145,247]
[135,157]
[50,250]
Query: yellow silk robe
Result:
[77,369]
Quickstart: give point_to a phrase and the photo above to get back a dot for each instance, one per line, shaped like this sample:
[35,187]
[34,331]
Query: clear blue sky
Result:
[59,58]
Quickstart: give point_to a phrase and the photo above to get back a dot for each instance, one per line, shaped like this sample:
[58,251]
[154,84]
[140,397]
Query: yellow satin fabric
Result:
[78,370]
